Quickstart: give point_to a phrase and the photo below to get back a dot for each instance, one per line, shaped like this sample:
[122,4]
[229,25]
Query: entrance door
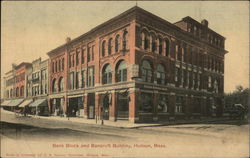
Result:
[122,106]
[91,105]
[105,110]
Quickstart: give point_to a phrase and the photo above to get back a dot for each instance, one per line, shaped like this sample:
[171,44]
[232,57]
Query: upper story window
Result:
[160,46]
[93,52]
[62,63]
[56,67]
[125,40]
[117,43]
[147,71]
[145,41]
[59,65]
[91,77]
[121,72]
[107,74]
[61,84]
[17,92]
[54,85]
[83,51]
[110,46]
[209,81]
[71,80]
[216,87]
[52,67]
[167,47]
[88,54]
[161,75]
[77,57]
[103,48]
[83,79]
[153,43]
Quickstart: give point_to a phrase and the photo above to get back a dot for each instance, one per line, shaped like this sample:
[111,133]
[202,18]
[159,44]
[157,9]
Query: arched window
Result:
[161,75]
[61,84]
[56,67]
[17,92]
[107,74]
[103,48]
[167,46]
[146,71]
[124,41]
[7,94]
[54,85]
[110,46]
[145,40]
[153,43]
[117,43]
[160,46]
[121,71]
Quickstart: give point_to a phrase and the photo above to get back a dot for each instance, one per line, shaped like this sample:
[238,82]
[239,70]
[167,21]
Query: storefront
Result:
[39,107]
[75,106]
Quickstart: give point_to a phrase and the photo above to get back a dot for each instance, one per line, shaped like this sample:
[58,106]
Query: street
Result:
[37,137]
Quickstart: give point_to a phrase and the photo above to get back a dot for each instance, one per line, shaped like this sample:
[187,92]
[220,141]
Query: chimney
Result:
[204,22]
[68,39]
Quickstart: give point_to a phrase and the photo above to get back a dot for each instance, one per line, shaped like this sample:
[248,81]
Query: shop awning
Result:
[5,103]
[15,102]
[38,102]
[25,103]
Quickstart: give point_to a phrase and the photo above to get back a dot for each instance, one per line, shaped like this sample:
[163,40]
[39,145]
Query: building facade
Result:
[136,67]
[139,67]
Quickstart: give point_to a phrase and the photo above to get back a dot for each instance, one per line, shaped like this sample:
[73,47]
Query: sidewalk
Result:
[124,123]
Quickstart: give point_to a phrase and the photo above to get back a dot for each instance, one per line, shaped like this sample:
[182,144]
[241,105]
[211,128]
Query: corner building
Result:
[141,68]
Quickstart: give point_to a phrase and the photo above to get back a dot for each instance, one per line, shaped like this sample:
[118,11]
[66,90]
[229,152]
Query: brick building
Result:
[15,84]
[140,68]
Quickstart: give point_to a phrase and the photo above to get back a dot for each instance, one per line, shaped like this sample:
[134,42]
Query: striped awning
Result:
[5,103]
[38,102]
[25,103]
[15,102]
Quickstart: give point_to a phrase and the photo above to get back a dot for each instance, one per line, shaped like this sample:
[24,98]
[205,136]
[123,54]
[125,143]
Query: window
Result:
[163,103]
[121,72]
[216,87]
[179,103]
[78,80]
[73,60]
[71,80]
[62,63]
[61,84]
[59,65]
[153,43]
[161,74]
[93,52]
[56,67]
[146,102]
[117,43]
[107,74]
[70,61]
[103,48]
[83,56]
[197,105]
[167,46]
[110,46]
[54,85]
[83,79]
[22,91]
[146,71]
[77,57]
[88,54]
[52,67]
[124,41]
[91,77]
[209,81]
[160,46]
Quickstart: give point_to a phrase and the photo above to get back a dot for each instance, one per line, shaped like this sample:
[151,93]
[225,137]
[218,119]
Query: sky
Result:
[31,29]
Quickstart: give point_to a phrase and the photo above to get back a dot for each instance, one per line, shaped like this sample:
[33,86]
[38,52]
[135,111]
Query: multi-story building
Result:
[37,86]
[15,83]
[139,67]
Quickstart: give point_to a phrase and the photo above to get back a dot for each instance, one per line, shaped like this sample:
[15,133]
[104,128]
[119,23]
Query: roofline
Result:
[95,29]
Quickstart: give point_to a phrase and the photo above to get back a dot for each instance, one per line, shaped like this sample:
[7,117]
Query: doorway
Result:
[122,106]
